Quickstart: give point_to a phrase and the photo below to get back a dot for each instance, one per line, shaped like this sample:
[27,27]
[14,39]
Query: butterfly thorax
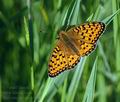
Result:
[69,42]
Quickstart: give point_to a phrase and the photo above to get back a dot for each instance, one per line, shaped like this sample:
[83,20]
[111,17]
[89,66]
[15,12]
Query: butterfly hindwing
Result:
[61,59]
[86,49]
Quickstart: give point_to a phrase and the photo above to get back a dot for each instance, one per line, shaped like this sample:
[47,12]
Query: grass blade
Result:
[88,97]
[75,80]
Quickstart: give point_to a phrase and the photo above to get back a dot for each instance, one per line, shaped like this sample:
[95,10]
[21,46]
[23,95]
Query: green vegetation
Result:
[28,30]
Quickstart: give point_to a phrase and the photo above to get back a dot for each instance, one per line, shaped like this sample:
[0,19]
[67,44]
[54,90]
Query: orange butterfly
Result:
[72,44]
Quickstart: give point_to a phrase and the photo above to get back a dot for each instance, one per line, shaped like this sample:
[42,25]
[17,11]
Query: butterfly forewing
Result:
[86,35]
[88,32]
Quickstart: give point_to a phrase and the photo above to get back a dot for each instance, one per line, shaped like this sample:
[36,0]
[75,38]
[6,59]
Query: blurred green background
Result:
[28,29]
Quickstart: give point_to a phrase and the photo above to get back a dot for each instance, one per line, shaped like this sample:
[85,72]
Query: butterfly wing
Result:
[62,59]
[86,35]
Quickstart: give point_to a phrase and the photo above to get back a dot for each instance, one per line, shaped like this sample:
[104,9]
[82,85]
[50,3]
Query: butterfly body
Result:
[69,42]
[73,44]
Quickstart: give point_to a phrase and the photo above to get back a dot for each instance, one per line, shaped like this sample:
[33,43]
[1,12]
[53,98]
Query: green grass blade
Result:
[104,56]
[76,11]
[101,83]
[27,32]
[118,55]
[52,85]
[115,20]
[75,81]
[108,19]
[88,96]
[63,97]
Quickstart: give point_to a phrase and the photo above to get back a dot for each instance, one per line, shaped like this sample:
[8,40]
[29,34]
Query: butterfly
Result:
[72,44]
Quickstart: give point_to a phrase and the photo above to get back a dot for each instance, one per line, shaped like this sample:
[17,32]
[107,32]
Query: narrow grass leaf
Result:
[115,20]
[32,78]
[118,55]
[90,17]
[88,96]
[64,91]
[104,56]
[75,13]
[108,19]
[75,80]
[27,32]
[101,85]
[52,85]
